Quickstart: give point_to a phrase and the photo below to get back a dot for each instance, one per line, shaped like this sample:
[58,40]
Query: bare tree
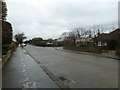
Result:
[65,34]
[72,36]
[82,32]
[78,33]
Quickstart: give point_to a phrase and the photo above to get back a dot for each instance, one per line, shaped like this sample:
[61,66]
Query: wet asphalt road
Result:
[21,71]
[79,70]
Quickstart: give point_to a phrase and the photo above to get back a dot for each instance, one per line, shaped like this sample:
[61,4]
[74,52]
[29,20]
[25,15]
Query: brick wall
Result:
[86,49]
[6,57]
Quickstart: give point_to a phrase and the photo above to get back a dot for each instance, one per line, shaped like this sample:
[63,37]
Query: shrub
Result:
[58,44]
[7,47]
[82,45]
[112,43]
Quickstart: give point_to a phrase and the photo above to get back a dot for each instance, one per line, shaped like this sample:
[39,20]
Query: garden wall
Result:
[86,49]
[6,57]
[118,52]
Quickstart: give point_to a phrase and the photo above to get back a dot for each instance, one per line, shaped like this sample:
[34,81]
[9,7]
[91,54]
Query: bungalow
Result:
[102,39]
[61,39]
[85,40]
[116,36]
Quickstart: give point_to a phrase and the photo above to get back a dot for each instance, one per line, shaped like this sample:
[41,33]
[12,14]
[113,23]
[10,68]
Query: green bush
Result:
[10,45]
[112,44]
[58,44]
[7,47]
[43,43]
[82,45]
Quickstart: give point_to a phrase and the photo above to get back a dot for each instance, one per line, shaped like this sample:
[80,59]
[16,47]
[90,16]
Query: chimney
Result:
[98,32]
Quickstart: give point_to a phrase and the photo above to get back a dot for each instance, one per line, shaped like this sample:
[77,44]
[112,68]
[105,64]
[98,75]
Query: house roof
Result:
[115,31]
[61,39]
[102,37]
[106,37]
[84,40]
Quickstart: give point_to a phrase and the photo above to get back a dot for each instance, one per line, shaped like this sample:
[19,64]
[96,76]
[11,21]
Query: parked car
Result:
[24,45]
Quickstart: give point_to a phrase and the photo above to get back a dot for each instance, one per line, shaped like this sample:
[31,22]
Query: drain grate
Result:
[62,78]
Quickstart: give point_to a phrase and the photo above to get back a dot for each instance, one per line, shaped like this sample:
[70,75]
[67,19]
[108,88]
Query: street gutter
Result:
[87,53]
[59,83]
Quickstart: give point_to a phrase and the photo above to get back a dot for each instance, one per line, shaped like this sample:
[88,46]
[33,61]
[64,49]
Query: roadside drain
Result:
[60,81]
[62,78]
[25,53]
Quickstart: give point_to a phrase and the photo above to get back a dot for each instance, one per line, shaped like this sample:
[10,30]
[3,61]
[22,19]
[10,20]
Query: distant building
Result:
[49,43]
[84,40]
[119,14]
[61,39]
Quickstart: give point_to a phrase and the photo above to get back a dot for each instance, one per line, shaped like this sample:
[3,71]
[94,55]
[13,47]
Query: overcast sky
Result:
[50,18]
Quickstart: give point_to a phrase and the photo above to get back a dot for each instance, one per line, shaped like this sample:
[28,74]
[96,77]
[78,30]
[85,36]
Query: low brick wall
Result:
[86,49]
[6,57]
[0,64]
[118,52]
[109,51]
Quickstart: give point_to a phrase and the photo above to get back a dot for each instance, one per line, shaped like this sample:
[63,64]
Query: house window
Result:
[99,43]
[104,44]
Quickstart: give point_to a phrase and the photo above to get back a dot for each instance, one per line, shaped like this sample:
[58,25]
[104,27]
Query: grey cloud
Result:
[49,20]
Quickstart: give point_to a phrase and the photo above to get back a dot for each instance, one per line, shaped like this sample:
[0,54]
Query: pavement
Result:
[21,71]
[77,70]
